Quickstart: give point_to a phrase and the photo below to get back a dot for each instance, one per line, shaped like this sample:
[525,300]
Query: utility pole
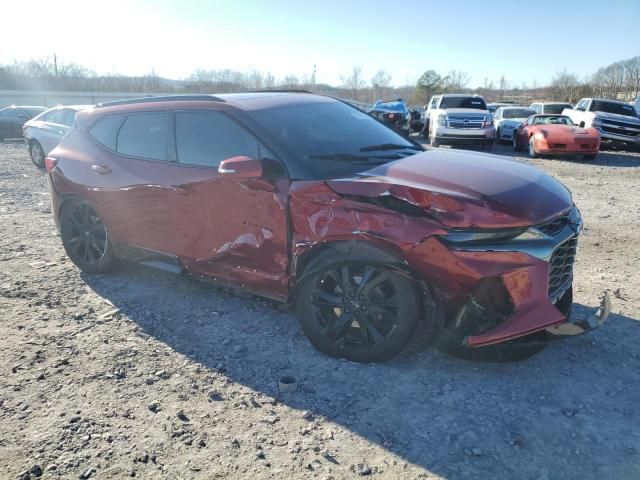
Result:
[313,76]
[55,64]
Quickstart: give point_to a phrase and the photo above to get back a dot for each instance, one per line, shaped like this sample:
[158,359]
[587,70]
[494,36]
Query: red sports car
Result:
[556,135]
[308,200]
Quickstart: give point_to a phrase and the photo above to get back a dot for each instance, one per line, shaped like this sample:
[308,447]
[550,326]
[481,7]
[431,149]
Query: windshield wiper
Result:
[353,157]
[388,146]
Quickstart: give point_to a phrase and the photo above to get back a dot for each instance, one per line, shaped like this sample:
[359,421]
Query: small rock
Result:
[215,396]
[182,416]
[87,473]
[52,467]
[235,443]
[308,415]
[36,471]
[362,469]
[271,419]
[154,407]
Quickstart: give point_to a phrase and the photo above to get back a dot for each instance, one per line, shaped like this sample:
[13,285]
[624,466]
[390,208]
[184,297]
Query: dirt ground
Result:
[150,375]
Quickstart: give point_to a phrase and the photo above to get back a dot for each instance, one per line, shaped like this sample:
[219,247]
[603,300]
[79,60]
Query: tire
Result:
[351,305]
[433,142]
[498,137]
[514,143]
[85,238]
[532,148]
[36,152]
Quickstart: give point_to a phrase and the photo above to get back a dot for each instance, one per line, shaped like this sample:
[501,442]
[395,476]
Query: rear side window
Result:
[144,135]
[106,130]
[207,138]
[68,117]
[56,116]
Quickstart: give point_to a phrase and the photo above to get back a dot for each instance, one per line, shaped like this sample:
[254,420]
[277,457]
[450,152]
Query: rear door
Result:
[228,228]
[129,181]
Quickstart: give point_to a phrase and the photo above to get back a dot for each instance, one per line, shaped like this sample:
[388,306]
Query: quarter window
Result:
[144,135]
[106,129]
[207,138]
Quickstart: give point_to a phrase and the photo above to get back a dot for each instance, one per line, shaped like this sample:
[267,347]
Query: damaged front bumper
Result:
[580,325]
[505,290]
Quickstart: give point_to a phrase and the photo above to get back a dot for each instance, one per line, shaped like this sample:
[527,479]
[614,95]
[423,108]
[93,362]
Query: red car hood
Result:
[465,189]
[563,130]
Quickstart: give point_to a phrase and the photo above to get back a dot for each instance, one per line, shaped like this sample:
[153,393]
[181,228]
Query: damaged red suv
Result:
[306,199]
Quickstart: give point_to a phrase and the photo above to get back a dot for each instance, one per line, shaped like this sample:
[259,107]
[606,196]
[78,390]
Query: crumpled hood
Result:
[465,189]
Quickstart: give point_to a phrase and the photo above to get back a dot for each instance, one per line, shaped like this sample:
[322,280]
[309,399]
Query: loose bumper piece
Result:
[582,325]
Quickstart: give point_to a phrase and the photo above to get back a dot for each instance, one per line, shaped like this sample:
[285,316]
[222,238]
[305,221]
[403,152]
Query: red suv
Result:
[306,199]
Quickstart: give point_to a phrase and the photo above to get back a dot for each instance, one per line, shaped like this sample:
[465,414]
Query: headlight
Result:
[488,121]
[541,135]
[596,122]
[442,120]
[483,236]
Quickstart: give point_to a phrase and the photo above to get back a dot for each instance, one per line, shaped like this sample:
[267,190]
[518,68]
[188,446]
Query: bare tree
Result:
[380,84]
[456,81]
[354,83]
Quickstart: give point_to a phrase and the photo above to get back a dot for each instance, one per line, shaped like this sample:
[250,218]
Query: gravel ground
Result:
[143,373]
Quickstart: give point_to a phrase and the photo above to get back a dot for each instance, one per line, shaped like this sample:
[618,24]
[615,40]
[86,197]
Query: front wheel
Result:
[361,311]
[85,238]
[532,148]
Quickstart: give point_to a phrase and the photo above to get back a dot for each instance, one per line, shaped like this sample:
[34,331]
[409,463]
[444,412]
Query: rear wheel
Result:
[85,238]
[532,148]
[36,152]
[357,309]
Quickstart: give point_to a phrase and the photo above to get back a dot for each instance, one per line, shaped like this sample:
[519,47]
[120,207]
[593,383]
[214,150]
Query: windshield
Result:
[463,102]
[552,120]
[612,107]
[34,110]
[555,108]
[333,138]
[517,113]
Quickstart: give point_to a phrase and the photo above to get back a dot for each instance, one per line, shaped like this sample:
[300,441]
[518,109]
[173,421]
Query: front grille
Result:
[555,226]
[619,128]
[464,122]
[561,267]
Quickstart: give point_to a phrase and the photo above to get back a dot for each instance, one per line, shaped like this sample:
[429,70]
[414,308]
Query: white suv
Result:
[460,119]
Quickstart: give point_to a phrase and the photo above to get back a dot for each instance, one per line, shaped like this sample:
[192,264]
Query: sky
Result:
[527,42]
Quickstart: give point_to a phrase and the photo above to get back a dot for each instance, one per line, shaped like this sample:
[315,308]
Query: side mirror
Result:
[241,167]
[581,125]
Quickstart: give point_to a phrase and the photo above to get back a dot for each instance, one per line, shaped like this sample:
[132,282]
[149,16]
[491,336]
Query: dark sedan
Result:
[13,118]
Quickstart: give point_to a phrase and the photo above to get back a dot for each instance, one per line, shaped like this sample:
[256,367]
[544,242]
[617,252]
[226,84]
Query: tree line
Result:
[620,80]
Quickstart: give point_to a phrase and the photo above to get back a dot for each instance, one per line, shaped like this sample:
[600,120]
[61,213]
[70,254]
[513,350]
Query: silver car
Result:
[44,132]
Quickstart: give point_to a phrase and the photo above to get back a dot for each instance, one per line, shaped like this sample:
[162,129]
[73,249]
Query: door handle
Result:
[101,169]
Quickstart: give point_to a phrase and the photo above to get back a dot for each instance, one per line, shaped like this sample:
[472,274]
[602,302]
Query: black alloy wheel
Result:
[362,312]
[85,238]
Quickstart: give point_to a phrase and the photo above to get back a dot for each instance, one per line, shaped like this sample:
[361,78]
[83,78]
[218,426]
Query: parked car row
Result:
[305,199]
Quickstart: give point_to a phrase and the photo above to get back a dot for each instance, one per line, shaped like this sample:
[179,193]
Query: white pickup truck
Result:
[459,119]
[616,121]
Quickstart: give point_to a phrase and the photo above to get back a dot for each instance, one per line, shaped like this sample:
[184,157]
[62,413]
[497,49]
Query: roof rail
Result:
[279,90]
[165,98]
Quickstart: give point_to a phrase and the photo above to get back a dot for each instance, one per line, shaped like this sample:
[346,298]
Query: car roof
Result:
[246,101]
[449,95]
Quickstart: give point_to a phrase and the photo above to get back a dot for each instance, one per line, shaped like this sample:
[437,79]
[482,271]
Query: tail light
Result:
[50,163]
